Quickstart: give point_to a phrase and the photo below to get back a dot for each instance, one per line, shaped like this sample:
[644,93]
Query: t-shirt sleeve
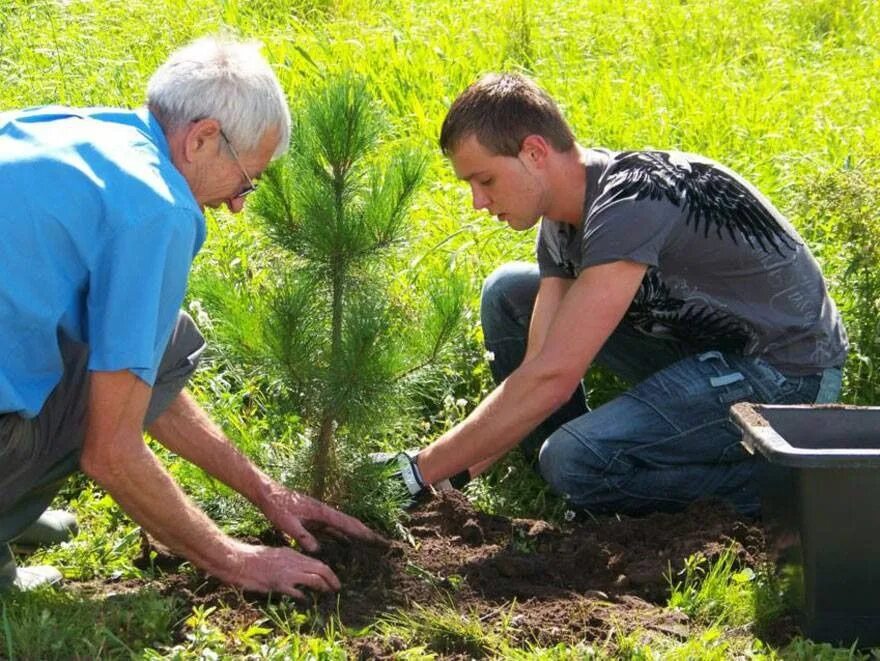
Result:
[628,229]
[136,289]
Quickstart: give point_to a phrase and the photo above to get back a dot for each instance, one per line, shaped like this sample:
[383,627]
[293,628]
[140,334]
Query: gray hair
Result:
[225,80]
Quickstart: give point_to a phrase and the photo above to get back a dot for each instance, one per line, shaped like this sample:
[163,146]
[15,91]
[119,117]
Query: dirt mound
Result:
[548,584]
[555,585]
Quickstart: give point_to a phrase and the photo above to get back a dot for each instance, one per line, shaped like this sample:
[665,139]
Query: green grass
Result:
[443,630]
[714,591]
[56,624]
[141,623]
[783,91]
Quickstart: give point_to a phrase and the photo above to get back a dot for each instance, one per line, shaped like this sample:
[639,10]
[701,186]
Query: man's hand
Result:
[185,428]
[406,472]
[274,569]
[115,456]
[294,513]
[409,474]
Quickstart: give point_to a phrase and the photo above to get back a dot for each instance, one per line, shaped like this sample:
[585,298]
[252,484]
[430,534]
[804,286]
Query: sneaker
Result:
[53,527]
[24,578]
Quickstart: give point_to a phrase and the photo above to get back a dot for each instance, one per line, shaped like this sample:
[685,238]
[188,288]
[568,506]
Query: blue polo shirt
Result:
[98,230]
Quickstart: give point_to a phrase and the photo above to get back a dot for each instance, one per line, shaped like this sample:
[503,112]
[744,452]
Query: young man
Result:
[101,220]
[666,268]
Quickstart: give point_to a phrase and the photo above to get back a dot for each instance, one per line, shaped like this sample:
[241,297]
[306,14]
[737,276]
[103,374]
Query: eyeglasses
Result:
[251,185]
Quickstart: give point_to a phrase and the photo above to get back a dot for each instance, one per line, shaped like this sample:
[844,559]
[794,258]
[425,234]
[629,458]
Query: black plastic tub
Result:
[820,498]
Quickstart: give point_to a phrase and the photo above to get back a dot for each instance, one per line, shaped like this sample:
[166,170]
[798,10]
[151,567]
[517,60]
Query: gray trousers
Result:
[38,454]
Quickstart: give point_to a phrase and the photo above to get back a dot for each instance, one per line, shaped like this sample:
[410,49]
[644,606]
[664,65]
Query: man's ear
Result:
[535,150]
[201,139]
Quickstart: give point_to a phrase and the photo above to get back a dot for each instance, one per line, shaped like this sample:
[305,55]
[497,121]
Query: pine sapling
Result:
[337,206]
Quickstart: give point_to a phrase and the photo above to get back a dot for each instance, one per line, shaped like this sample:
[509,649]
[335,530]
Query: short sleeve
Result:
[628,229]
[136,288]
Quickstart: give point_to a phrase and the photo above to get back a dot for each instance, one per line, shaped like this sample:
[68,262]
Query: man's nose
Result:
[480,199]
[235,204]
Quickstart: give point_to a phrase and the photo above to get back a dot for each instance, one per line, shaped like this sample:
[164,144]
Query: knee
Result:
[508,295]
[558,461]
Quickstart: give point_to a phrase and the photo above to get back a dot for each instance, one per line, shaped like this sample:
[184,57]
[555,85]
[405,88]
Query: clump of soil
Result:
[553,585]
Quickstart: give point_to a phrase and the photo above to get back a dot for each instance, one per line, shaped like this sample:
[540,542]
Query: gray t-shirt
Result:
[726,270]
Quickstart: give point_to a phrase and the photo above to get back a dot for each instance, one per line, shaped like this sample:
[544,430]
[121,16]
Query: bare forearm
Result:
[510,412]
[482,466]
[186,430]
[550,294]
[147,493]
[114,455]
[569,341]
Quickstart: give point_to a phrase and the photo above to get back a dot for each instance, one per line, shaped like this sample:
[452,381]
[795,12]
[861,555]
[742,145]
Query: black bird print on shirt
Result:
[711,197]
[655,312]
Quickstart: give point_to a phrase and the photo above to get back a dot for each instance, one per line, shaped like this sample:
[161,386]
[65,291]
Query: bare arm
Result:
[116,457]
[550,294]
[587,314]
[186,429]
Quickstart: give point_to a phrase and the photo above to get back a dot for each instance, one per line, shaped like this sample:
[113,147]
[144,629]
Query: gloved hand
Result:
[403,468]
[408,472]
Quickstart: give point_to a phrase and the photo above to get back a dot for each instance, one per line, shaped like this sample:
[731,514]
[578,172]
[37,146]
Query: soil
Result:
[749,415]
[549,585]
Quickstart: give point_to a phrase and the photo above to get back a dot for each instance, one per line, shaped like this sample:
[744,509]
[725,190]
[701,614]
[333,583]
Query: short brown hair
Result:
[501,110]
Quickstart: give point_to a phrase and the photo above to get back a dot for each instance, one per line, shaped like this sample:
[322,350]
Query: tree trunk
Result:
[325,457]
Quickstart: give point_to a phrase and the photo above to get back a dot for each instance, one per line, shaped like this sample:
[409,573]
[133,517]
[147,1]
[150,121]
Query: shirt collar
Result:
[155,130]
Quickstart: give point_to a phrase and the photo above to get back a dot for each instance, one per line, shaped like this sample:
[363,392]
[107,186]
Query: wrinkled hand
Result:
[294,514]
[277,569]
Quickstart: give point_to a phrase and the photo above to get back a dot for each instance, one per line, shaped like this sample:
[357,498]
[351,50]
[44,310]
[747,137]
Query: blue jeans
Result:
[667,441]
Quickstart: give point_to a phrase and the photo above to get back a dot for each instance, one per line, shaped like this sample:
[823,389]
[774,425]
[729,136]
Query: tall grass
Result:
[776,89]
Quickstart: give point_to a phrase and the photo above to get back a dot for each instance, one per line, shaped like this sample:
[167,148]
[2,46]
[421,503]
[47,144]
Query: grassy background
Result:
[783,91]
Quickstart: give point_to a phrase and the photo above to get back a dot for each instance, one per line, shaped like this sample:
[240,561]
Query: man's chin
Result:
[520,224]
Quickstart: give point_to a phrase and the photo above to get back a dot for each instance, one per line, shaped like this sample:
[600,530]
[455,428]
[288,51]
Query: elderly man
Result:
[101,220]
[664,267]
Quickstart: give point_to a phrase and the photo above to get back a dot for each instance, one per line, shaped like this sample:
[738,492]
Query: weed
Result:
[714,590]
[519,50]
[512,487]
[805,650]
[838,207]
[452,582]
[105,546]
[444,630]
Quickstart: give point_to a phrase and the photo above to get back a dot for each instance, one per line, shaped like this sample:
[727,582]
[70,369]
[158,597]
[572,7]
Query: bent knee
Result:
[509,284]
[558,461]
